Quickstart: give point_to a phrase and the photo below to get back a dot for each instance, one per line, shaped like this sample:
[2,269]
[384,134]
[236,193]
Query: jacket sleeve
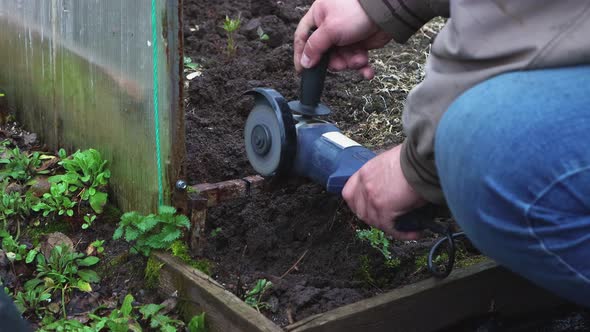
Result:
[402,18]
[482,39]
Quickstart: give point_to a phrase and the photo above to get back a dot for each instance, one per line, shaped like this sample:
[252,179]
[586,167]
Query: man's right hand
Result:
[344,25]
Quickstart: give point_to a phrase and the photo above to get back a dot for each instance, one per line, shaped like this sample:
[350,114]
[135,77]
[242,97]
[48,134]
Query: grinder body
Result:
[325,155]
[283,144]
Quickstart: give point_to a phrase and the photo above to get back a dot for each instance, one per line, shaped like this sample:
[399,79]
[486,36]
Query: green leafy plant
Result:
[119,320]
[86,176]
[262,35]
[151,313]
[20,166]
[124,319]
[35,297]
[14,205]
[15,252]
[231,26]
[197,323]
[254,296]
[379,241]
[67,325]
[65,270]
[56,201]
[151,232]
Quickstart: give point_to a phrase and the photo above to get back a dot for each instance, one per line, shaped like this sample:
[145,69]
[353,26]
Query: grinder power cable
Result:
[290,139]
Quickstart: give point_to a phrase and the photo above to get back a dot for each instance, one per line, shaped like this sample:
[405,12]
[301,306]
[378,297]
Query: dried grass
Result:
[398,69]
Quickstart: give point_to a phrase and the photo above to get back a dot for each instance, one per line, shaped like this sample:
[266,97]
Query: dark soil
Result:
[563,319]
[265,236]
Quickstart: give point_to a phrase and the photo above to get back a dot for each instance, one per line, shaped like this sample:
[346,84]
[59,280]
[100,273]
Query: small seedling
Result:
[216,232]
[254,296]
[231,26]
[192,68]
[262,35]
[88,219]
[189,65]
[98,245]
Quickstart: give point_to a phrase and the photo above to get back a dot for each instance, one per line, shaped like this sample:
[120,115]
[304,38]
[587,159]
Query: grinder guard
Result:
[326,156]
[285,128]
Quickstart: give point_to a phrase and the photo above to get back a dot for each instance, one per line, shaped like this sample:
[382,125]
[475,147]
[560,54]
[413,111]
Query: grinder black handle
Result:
[312,81]
[419,219]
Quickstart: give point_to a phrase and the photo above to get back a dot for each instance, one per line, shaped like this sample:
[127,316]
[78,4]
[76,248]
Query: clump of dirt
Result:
[297,236]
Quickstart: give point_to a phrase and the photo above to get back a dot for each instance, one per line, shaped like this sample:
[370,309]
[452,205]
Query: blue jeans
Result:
[513,156]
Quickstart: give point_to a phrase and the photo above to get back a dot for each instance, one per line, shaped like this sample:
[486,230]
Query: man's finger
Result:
[367,72]
[405,236]
[357,59]
[337,62]
[300,38]
[317,44]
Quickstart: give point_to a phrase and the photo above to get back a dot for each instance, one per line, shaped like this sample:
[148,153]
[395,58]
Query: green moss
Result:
[180,250]
[462,259]
[393,263]
[152,273]
[421,261]
[364,271]
[35,234]
[111,214]
[471,260]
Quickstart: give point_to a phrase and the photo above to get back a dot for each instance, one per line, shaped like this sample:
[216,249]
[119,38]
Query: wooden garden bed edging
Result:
[197,292]
[426,306]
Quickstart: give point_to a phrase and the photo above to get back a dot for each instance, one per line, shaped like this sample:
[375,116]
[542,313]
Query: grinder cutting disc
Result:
[266,137]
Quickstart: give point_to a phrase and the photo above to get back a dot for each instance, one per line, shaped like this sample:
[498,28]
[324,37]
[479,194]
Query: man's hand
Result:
[342,24]
[379,192]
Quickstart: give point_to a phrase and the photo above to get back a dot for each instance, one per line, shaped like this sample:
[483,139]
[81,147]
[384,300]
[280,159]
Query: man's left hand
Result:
[379,192]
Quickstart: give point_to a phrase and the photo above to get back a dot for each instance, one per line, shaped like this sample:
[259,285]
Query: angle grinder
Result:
[286,139]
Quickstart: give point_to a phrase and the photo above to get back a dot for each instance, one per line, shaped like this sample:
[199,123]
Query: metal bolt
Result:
[181,185]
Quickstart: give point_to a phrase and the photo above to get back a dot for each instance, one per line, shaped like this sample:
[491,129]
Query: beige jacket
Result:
[482,38]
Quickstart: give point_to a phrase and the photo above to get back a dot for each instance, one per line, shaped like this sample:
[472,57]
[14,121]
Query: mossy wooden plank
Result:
[82,74]
[434,304]
[198,292]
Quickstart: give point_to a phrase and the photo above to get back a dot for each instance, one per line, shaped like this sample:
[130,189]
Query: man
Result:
[499,129]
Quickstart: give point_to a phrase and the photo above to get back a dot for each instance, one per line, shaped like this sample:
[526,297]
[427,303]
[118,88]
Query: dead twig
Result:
[294,265]
[290,316]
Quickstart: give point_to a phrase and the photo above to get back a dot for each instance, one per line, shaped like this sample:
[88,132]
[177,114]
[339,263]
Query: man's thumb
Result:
[317,44]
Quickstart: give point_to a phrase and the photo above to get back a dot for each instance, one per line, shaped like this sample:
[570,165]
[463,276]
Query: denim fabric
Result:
[513,156]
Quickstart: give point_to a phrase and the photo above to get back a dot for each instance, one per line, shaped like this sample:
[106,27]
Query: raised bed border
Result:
[426,306]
